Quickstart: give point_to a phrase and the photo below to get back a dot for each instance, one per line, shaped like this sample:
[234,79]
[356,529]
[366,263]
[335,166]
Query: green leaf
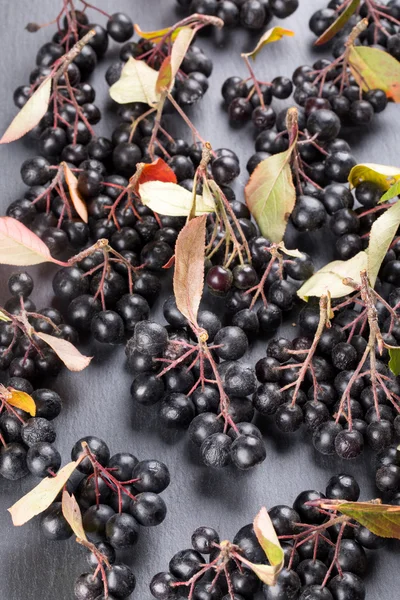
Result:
[137,84]
[391,193]
[171,199]
[394,362]
[381,236]
[373,68]
[268,540]
[267,537]
[383,175]
[337,25]
[381,519]
[272,35]
[271,195]
[330,278]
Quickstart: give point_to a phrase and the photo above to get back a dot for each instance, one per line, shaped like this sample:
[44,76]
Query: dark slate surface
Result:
[97,401]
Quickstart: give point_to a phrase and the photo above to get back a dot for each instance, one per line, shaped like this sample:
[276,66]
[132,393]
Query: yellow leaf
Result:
[40,498]
[383,175]
[272,35]
[76,199]
[73,516]
[4,317]
[137,84]
[171,199]
[30,114]
[155,36]
[22,400]
[70,356]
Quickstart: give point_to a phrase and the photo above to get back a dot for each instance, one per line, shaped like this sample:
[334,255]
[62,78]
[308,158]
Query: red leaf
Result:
[21,247]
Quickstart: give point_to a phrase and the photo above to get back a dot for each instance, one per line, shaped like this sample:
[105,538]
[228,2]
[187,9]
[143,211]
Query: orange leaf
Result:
[165,78]
[30,114]
[40,498]
[189,267]
[70,356]
[76,199]
[72,513]
[21,400]
[21,247]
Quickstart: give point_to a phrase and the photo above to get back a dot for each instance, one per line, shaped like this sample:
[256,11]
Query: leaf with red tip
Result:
[76,198]
[158,170]
[189,267]
[337,25]
[373,68]
[40,498]
[70,356]
[30,114]
[21,247]
[72,514]
[21,400]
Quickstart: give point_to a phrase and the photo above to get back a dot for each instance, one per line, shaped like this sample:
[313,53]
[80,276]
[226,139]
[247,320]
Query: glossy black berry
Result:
[120,27]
